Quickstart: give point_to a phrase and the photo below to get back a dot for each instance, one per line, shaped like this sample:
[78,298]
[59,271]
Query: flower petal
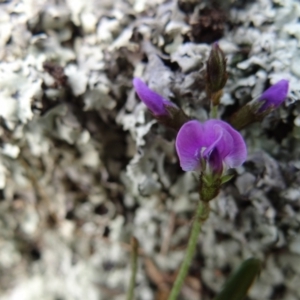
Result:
[213,133]
[231,146]
[189,142]
[155,102]
[215,161]
[274,95]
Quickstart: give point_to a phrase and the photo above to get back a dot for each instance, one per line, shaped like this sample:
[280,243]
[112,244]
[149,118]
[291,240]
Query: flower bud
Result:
[163,110]
[257,109]
[274,96]
[216,75]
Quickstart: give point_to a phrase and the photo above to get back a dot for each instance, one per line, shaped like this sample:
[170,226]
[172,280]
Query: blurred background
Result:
[84,166]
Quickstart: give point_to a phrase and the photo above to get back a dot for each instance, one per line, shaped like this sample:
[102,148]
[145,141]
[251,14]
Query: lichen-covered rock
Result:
[84,166]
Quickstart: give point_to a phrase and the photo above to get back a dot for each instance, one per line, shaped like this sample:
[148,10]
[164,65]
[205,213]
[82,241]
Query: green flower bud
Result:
[216,75]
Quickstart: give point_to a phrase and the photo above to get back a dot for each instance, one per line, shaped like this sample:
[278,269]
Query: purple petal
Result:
[213,133]
[274,95]
[215,161]
[155,102]
[231,145]
[189,142]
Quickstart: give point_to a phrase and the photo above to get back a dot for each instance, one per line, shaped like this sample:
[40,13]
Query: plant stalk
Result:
[134,259]
[201,215]
[214,112]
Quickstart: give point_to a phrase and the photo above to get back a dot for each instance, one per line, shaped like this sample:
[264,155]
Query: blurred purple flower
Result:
[156,103]
[274,95]
[214,142]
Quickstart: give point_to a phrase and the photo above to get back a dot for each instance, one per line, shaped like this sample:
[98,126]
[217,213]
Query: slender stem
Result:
[214,111]
[190,251]
[134,258]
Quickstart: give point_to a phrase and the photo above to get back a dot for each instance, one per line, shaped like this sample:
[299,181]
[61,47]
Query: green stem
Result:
[201,215]
[214,111]
[134,258]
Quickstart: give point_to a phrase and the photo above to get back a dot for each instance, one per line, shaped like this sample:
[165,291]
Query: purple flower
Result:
[274,95]
[213,142]
[155,102]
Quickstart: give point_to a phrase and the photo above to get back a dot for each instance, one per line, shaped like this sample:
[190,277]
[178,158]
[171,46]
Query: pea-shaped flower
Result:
[213,143]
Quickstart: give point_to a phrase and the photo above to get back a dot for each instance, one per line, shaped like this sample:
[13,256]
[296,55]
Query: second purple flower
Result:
[274,95]
[163,110]
[156,103]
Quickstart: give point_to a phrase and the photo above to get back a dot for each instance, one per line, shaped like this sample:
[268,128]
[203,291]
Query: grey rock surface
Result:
[83,165]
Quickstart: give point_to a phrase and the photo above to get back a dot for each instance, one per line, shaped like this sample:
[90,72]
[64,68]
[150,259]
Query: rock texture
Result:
[84,166]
